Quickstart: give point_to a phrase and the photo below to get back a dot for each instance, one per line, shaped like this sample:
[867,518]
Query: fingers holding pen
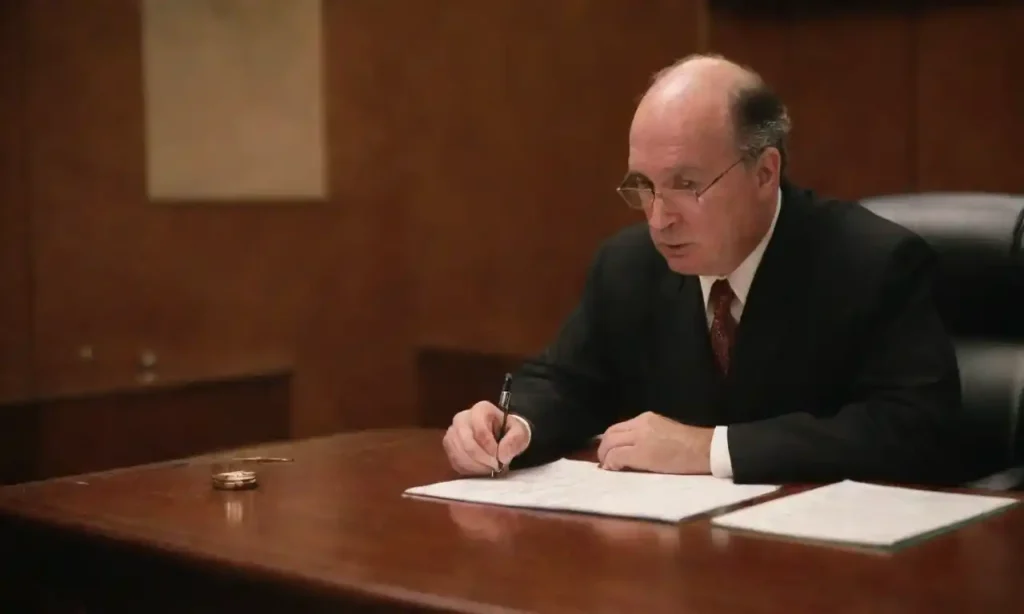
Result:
[457,458]
[485,420]
[468,435]
[472,441]
[514,442]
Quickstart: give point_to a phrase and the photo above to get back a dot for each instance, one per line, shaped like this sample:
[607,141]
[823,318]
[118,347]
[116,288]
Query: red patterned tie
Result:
[723,326]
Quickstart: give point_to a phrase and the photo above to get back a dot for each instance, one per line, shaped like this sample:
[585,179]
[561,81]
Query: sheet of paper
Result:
[862,514]
[579,486]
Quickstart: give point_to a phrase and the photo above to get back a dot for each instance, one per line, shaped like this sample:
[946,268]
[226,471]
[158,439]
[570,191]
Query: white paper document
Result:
[580,486]
[862,514]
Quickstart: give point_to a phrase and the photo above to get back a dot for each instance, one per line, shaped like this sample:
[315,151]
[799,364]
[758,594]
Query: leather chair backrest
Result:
[980,295]
[980,289]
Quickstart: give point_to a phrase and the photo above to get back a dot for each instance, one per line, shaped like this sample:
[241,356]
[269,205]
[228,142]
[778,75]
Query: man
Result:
[749,330]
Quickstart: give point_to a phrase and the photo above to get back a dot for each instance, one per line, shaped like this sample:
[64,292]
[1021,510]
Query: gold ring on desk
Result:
[234,480]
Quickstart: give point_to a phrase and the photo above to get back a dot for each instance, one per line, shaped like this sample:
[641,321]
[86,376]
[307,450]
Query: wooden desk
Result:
[332,529]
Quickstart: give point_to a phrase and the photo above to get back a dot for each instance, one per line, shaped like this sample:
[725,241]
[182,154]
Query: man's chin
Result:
[682,259]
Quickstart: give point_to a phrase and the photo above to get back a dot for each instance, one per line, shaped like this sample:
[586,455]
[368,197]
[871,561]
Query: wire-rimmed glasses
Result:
[642,197]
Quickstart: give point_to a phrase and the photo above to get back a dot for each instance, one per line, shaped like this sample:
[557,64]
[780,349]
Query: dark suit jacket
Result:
[841,367]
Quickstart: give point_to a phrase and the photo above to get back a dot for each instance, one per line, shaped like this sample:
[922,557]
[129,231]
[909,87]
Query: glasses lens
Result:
[636,198]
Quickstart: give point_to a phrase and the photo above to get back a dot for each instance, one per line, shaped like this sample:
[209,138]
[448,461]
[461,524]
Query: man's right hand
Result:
[470,441]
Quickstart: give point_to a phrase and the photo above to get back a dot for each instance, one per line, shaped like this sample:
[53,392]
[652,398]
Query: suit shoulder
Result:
[633,240]
[629,254]
[858,256]
[850,233]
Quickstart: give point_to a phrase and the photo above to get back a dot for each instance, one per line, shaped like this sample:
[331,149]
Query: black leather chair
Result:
[980,294]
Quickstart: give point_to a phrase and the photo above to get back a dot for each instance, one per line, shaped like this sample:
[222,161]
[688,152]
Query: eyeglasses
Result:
[642,197]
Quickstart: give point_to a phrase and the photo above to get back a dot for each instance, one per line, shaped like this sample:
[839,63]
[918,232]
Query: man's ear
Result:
[769,169]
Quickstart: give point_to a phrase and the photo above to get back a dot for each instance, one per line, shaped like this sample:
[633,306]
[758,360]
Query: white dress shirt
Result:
[740,281]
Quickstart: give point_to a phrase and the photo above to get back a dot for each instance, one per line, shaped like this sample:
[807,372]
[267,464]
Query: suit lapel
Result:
[771,312]
[687,384]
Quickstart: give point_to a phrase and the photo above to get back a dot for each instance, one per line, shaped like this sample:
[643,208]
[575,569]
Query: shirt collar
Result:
[741,278]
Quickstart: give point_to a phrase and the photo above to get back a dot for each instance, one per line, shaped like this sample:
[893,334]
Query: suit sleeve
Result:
[565,392]
[901,408]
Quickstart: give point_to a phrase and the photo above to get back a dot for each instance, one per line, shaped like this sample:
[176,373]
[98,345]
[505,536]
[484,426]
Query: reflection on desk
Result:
[331,532]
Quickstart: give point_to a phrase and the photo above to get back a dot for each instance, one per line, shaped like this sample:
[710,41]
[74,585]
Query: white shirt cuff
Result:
[721,462]
[526,425]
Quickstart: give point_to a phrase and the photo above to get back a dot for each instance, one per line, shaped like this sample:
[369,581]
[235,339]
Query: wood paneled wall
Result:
[892,99]
[473,152]
[129,331]
[479,144]
[451,165]
[969,124]
[15,256]
[206,292]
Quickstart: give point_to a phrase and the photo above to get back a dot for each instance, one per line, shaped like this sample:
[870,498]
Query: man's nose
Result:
[658,217]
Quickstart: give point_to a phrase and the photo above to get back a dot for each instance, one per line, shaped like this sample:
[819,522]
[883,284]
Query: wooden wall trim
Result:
[157,387]
[78,435]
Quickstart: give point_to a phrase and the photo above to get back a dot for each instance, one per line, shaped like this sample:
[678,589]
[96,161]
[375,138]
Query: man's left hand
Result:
[654,443]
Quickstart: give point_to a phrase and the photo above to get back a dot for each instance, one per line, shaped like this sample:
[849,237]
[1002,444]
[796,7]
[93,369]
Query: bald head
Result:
[706,131]
[709,97]
[695,94]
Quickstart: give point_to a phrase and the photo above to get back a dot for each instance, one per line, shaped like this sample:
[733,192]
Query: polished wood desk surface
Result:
[335,519]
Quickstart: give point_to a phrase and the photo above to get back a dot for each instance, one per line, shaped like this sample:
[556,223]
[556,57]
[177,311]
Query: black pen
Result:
[503,403]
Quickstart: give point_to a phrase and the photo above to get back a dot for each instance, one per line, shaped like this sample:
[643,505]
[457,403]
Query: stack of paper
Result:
[862,514]
[580,486]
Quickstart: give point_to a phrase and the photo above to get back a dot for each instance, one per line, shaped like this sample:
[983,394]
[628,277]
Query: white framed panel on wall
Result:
[233,94]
